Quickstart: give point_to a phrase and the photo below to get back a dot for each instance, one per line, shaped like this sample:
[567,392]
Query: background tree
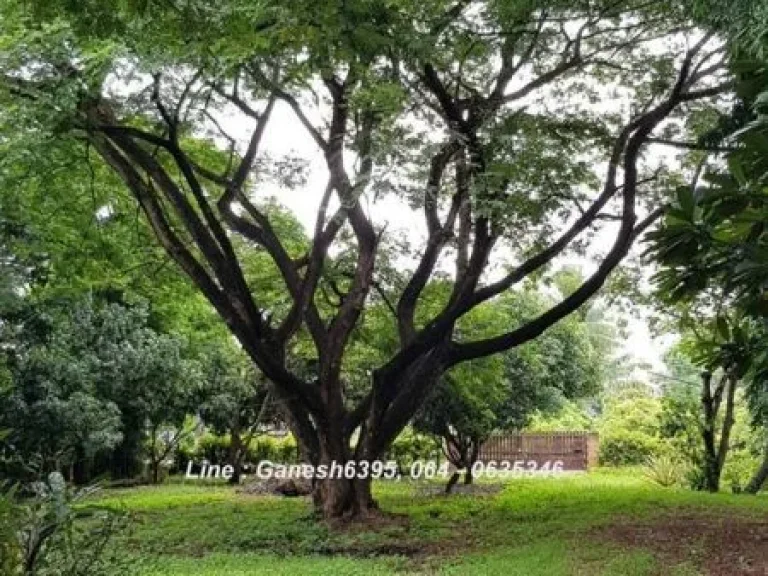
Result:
[235,402]
[502,392]
[711,250]
[89,382]
[629,428]
[726,359]
[463,412]
[681,408]
[167,404]
[57,418]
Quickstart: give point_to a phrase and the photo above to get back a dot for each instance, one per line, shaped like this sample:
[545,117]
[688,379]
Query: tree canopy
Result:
[514,129]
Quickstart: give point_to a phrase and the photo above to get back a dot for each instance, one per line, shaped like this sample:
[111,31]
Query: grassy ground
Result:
[600,524]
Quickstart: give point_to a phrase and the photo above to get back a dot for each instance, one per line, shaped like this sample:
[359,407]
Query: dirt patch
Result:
[373,551]
[289,487]
[719,546]
[374,520]
[389,534]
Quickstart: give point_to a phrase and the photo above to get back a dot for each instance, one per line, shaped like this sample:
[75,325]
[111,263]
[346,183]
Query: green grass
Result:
[532,527]
[248,564]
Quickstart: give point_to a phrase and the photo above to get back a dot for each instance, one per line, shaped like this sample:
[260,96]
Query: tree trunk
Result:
[473,454]
[709,415]
[326,440]
[758,480]
[715,453]
[452,482]
[236,456]
[339,494]
[343,498]
[125,460]
[728,422]
[155,471]
[81,469]
[462,452]
[711,474]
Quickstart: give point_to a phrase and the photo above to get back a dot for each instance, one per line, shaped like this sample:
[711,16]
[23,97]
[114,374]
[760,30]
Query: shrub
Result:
[627,448]
[739,468]
[10,551]
[411,446]
[629,428]
[184,452]
[215,449]
[695,478]
[282,450]
[47,535]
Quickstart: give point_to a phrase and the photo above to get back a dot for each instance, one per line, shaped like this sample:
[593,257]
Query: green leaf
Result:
[723,329]
[686,200]
[737,169]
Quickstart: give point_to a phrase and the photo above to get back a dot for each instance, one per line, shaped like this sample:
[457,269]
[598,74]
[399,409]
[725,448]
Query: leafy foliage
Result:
[664,470]
[51,533]
[86,380]
[629,430]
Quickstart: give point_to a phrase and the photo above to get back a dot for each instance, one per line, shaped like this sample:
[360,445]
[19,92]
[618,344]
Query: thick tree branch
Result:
[642,128]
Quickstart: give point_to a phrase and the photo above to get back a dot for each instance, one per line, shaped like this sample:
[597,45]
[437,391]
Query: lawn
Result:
[604,523]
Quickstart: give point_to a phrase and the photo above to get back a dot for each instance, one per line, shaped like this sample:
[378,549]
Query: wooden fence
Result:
[575,450]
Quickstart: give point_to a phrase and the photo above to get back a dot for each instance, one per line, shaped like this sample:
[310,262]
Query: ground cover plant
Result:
[605,523]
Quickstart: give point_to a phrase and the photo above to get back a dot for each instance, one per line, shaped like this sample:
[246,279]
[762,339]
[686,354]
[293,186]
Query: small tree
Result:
[462,412]
[757,399]
[236,402]
[724,350]
[502,392]
[58,419]
[713,301]
[165,383]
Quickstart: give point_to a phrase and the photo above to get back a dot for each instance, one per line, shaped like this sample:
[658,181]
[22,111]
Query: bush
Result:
[48,535]
[629,428]
[184,452]
[627,448]
[411,446]
[10,551]
[282,450]
[215,449]
[739,468]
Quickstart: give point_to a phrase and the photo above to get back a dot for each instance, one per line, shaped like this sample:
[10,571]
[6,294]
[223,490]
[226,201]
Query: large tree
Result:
[514,128]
